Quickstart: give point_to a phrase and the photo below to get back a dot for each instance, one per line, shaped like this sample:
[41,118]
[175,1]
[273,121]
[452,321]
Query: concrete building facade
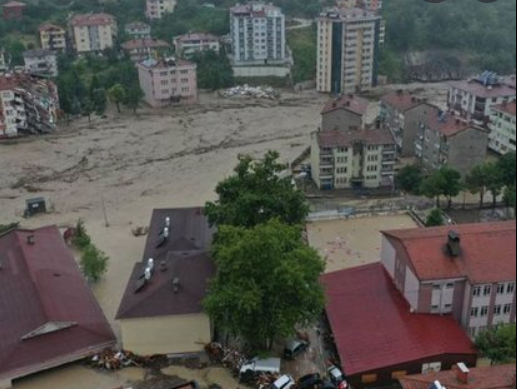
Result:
[348,50]
[447,140]
[168,81]
[468,272]
[258,35]
[403,113]
[344,112]
[190,44]
[353,159]
[157,9]
[93,32]
[52,37]
[474,99]
[141,49]
[503,128]
[41,62]
[138,30]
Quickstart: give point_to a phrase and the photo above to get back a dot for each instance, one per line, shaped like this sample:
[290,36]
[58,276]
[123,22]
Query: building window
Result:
[498,310]
[437,287]
[450,285]
[501,289]
[508,309]
[474,312]
[484,311]
[487,290]
[511,288]
[473,332]
[477,291]
[369,378]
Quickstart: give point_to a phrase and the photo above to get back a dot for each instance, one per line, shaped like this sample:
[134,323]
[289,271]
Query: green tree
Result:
[257,193]
[267,283]
[498,343]
[81,239]
[409,179]
[117,95]
[88,108]
[435,219]
[496,183]
[100,101]
[510,198]
[444,182]
[94,263]
[478,181]
[508,167]
[214,70]
[134,97]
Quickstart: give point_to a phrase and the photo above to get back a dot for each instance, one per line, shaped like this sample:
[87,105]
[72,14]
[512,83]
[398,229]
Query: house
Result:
[349,41]
[372,5]
[41,62]
[167,81]
[448,140]
[142,49]
[344,112]
[190,44]
[161,311]
[461,377]
[52,37]
[138,30]
[353,159]
[93,32]
[468,272]
[13,10]
[49,314]
[402,113]
[28,105]
[474,99]
[379,339]
[503,128]
[157,9]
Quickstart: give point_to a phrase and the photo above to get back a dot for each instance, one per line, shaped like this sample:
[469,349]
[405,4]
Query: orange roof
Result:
[48,27]
[14,4]
[492,377]
[350,103]
[144,44]
[487,255]
[101,19]
[335,138]
[402,100]
[510,108]
[448,124]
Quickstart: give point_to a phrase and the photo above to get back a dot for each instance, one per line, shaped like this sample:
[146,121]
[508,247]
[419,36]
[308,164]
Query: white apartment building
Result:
[348,50]
[474,99]
[93,32]
[157,9]
[138,30]
[353,159]
[258,35]
[190,44]
[41,62]
[503,128]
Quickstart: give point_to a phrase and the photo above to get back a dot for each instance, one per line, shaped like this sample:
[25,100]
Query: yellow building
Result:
[52,37]
[162,309]
[93,32]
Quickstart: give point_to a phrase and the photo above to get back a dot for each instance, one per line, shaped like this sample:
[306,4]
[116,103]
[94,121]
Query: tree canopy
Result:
[257,193]
[444,182]
[267,283]
[435,219]
[409,179]
[498,343]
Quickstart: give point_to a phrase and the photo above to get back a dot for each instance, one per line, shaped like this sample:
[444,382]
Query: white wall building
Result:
[41,62]
[503,128]
[93,32]
[157,9]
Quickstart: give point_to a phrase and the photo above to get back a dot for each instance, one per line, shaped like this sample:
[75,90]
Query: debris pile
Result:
[250,92]
[117,360]
[140,231]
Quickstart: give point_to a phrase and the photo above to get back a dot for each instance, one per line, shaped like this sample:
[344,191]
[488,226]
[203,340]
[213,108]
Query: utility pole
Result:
[106,222]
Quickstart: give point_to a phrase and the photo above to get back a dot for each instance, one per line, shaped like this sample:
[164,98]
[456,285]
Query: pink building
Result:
[468,272]
[168,81]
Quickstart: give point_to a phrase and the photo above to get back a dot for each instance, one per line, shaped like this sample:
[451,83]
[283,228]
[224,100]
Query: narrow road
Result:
[300,24]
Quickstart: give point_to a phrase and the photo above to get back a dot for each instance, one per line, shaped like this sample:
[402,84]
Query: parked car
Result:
[284,382]
[295,349]
[251,369]
[311,381]
[337,377]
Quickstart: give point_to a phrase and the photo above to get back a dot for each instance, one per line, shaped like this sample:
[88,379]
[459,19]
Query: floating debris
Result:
[250,92]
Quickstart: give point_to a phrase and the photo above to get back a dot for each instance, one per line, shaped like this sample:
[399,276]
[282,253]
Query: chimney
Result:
[454,244]
[463,373]
[31,240]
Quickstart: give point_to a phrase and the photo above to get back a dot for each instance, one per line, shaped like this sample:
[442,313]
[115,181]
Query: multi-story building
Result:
[344,112]
[258,34]
[371,5]
[28,105]
[41,62]
[348,50]
[141,49]
[402,113]
[468,272]
[157,9]
[13,10]
[503,128]
[93,32]
[52,37]
[138,30]
[168,81]
[448,140]
[353,159]
[190,44]
[474,99]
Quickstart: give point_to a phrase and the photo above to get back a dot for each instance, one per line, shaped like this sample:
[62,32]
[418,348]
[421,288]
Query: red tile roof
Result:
[402,100]
[50,27]
[14,4]
[492,377]
[374,329]
[477,89]
[449,124]
[335,138]
[510,108]
[101,19]
[487,256]
[41,285]
[144,44]
[186,256]
[350,103]
[197,37]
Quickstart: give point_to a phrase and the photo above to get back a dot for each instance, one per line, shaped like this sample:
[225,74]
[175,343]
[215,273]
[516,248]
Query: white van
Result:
[284,382]
[259,366]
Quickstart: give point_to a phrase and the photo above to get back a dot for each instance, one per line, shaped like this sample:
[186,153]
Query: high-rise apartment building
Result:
[258,34]
[93,32]
[348,50]
[157,9]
